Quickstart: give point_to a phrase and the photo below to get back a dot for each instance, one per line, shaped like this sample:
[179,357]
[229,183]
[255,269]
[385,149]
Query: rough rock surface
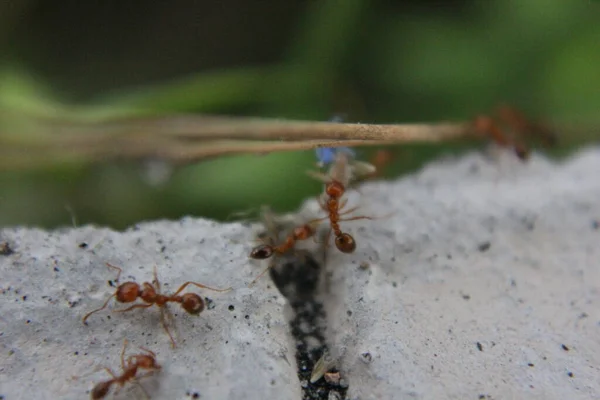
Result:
[484,283]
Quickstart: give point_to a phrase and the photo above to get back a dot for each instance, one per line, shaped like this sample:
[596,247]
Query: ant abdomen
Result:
[128,292]
[345,243]
[192,303]
[101,390]
[262,252]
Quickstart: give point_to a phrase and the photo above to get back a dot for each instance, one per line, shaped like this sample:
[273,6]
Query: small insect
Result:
[264,251]
[128,292]
[487,126]
[340,175]
[513,117]
[146,361]
[510,127]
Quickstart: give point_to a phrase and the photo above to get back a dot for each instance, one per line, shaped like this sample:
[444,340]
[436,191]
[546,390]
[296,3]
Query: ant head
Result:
[262,252]
[143,361]
[345,243]
[192,303]
[334,189]
[128,292]
[101,390]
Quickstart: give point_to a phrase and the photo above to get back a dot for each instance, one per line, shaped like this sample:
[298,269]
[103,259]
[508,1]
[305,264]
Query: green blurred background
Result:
[371,61]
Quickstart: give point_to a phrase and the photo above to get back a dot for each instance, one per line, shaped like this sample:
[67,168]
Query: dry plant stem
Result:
[218,127]
[189,139]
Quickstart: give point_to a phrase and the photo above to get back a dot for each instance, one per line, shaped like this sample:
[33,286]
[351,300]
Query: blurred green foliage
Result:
[378,62]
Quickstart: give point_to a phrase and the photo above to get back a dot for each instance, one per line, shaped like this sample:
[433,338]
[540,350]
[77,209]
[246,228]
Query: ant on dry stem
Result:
[128,292]
[519,125]
[130,368]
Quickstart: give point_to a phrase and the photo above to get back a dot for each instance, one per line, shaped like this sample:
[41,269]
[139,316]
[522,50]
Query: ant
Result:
[128,292]
[340,175]
[264,251]
[515,120]
[130,368]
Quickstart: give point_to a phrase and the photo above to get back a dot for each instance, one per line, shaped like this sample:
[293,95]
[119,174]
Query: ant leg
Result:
[123,354]
[343,203]
[271,265]
[134,306]
[153,354]
[141,387]
[200,286]
[350,210]
[114,376]
[367,217]
[156,281]
[317,220]
[166,328]
[359,217]
[109,265]
[99,309]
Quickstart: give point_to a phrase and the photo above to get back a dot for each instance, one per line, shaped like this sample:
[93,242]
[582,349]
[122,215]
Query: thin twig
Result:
[188,139]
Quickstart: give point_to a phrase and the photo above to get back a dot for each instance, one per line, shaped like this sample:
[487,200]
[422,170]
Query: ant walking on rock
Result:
[341,173]
[130,368]
[264,251]
[150,293]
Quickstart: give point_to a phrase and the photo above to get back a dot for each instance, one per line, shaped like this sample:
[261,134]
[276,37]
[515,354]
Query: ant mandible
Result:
[128,292]
[130,368]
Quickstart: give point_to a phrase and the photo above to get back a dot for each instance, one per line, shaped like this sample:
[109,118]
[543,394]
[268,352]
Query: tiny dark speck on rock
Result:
[247,316]
[570,374]
[466,297]
[485,246]
[531,365]
[479,346]
[596,225]
[83,245]
[565,348]
[210,304]
[231,307]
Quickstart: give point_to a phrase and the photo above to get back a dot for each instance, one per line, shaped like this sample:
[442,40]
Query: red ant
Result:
[130,369]
[340,175]
[510,116]
[128,292]
[264,251]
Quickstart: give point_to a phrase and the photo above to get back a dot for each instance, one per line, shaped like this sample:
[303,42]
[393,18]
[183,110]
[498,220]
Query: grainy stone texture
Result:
[483,284]
[50,282]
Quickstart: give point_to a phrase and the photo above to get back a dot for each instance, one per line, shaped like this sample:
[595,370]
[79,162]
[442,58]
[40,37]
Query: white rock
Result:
[471,288]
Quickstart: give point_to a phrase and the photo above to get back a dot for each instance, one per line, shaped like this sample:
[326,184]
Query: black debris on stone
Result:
[485,246]
[5,249]
[297,279]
